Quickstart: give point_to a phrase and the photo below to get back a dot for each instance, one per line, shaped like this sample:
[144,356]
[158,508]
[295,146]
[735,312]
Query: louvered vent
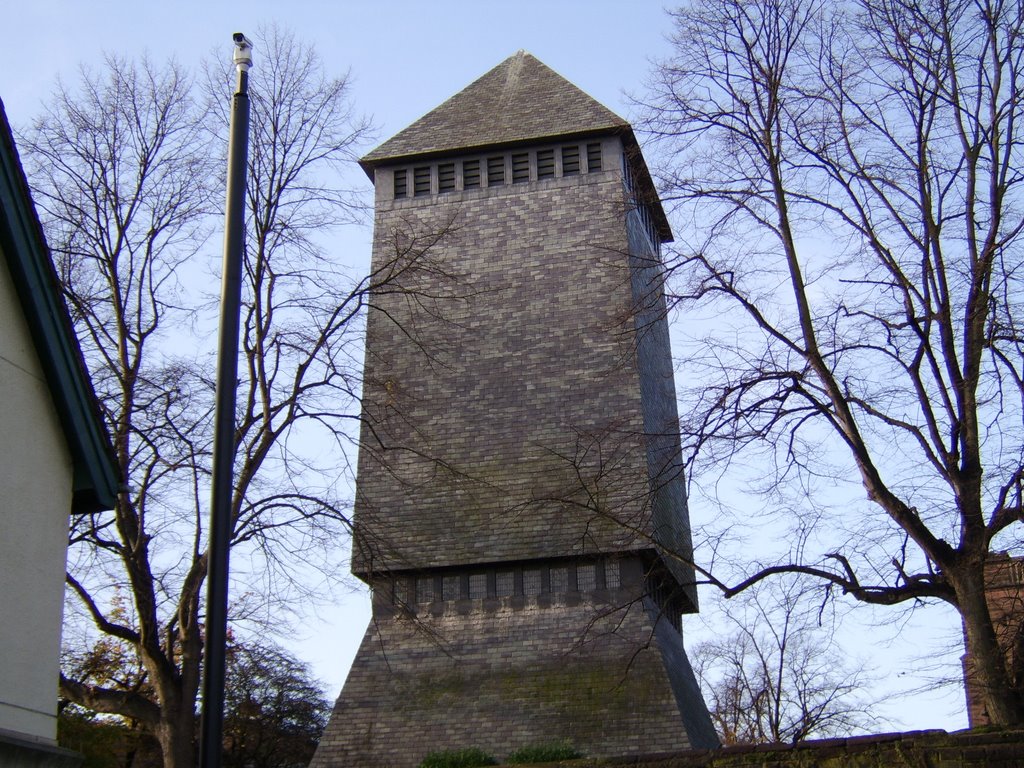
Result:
[545,164]
[570,160]
[495,171]
[421,180]
[586,577]
[520,168]
[401,183]
[470,174]
[446,177]
[477,586]
[451,588]
[505,584]
[593,157]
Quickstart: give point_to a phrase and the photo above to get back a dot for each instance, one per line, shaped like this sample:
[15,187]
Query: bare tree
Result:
[778,676]
[274,710]
[847,182]
[122,170]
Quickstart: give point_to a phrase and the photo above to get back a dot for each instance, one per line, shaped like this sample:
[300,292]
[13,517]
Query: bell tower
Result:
[520,507]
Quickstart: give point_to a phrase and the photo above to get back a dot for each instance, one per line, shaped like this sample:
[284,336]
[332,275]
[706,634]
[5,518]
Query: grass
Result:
[544,753]
[457,758]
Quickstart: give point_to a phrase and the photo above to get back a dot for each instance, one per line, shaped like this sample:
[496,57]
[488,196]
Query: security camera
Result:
[243,50]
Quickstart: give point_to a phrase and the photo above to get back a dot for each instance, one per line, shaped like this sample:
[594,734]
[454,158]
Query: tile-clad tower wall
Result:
[501,674]
[670,517]
[507,421]
[520,510]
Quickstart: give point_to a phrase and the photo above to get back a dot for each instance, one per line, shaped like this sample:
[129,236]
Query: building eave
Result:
[648,192]
[24,246]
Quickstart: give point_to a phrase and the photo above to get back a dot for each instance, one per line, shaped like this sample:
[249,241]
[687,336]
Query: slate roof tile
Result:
[520,100]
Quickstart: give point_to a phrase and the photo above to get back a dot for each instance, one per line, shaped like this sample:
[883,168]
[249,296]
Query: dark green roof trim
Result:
[35,279]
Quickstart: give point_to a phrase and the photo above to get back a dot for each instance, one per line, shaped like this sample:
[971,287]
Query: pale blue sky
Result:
[406,57]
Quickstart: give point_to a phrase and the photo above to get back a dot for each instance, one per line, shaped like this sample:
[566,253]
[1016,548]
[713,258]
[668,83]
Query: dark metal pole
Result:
[212,726]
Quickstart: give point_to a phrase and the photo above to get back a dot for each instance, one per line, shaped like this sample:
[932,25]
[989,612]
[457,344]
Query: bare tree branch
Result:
[845,181]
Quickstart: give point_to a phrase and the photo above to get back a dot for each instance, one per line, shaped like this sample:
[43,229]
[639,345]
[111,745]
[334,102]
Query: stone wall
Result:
[918,749]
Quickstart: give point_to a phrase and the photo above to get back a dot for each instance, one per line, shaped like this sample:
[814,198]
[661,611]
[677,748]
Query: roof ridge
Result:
[519,100]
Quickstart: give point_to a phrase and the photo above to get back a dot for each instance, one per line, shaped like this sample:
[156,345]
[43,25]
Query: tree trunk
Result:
[176,734]
[1003,703]
[176,730]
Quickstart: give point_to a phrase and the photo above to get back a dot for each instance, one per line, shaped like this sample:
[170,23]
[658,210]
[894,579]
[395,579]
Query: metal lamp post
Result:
[212,727]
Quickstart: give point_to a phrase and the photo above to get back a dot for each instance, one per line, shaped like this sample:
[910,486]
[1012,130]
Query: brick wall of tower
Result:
[519,467]
[511,425]
[1004,593]
[602,670]
[670,517]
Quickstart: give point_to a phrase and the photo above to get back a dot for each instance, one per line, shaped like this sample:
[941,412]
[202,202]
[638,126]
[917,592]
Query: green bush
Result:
[544,753]
[457,758]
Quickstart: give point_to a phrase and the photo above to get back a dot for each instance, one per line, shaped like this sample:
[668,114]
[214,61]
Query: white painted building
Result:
[55,460]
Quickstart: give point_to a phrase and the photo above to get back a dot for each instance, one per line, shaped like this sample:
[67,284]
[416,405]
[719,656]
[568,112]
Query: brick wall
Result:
[916,749]
[670,518]
[1004,592]
[512,425]
[519,419]
[604,670]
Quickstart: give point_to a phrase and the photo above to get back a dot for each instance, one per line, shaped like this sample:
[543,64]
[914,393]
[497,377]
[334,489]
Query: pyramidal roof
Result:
[519,100]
